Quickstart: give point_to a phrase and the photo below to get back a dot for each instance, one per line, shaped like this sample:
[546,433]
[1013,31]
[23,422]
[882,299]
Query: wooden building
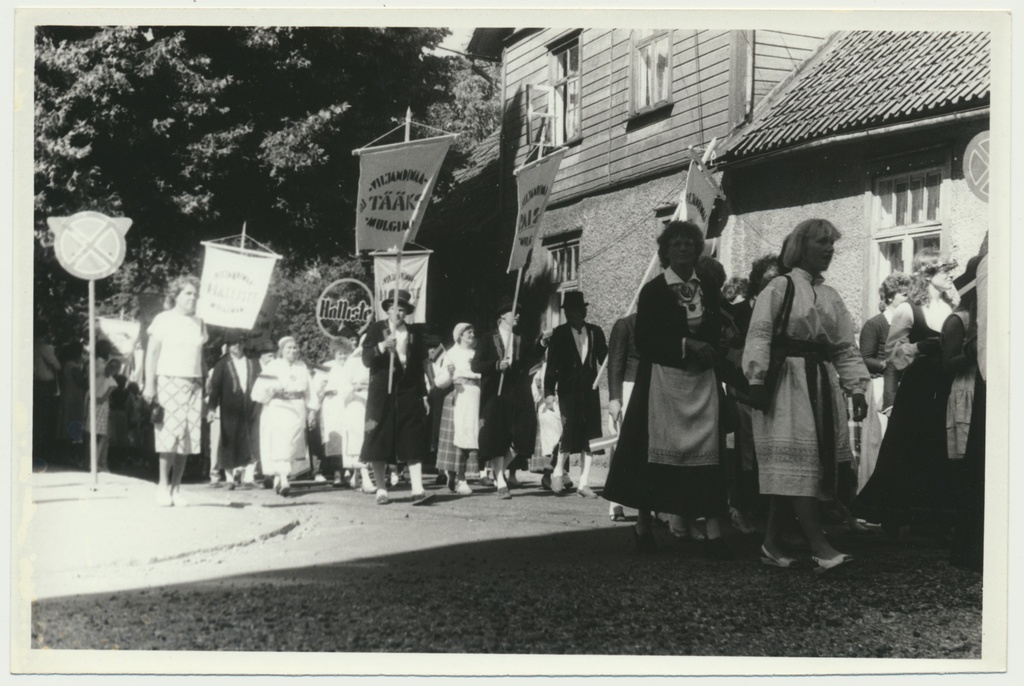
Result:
[631,107]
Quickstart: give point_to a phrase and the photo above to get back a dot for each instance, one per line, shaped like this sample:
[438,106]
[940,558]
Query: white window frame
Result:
[638,43]
[886,232]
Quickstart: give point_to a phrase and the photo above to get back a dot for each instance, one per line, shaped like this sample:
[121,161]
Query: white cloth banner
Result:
[121,334]
[414,280]
[698,197]
[395,183]
[233,286]
[534,183]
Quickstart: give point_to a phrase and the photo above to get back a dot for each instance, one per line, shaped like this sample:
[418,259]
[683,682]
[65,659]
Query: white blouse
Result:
[819,315]
[181,339]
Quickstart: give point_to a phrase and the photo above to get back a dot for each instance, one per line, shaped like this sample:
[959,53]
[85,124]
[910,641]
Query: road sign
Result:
[976,165]
[90,245]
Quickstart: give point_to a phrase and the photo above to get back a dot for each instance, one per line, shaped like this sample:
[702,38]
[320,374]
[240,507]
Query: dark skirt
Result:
[633,481]
[402,432]
[912,480]
[968,551]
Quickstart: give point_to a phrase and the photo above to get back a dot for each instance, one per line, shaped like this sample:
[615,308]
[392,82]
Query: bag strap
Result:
[787,307]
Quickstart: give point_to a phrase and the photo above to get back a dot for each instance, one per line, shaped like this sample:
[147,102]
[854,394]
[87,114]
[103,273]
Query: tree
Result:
[192,130]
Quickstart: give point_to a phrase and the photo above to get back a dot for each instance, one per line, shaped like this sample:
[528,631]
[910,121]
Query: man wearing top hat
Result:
[575,354]
[508,420]
[396,419]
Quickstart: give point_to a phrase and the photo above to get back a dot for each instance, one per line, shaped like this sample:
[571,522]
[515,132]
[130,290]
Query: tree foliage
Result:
[191,131]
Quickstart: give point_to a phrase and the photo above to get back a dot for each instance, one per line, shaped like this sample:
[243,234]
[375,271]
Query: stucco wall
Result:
[768,199]
[619,230]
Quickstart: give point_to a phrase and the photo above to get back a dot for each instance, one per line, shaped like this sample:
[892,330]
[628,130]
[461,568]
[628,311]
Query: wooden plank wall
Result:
[777,53]
[615,150]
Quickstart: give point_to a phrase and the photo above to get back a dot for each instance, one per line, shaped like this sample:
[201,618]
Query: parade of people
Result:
[672,354]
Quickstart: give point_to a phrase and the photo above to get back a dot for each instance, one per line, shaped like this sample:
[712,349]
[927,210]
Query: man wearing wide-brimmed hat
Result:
[508,420]
[396,409]
[575,355]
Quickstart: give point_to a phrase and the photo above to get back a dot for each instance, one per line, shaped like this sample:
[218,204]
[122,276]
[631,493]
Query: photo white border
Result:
[402,14]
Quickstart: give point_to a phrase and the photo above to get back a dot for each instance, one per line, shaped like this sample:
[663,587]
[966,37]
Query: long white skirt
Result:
[354,428]
[283,437]
[872,430]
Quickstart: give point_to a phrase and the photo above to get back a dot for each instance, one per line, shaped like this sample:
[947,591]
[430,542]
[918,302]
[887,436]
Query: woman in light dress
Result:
[332,410]
[351,381]
[285,389]
[458,443]
[174,379]
[800,432]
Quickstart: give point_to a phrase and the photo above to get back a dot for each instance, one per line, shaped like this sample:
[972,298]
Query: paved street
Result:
[328,570]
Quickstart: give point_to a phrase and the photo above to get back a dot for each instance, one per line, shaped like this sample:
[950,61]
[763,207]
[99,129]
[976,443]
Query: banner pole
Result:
[93,457]
[629,311]
[243,235]
[398,266]
[512,340]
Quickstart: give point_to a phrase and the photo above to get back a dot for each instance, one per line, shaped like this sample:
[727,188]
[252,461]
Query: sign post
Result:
[90,246]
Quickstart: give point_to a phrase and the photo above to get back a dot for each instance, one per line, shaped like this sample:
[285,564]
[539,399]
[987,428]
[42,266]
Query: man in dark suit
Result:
[576,352]
[396,419]
[230,399]
[508,419]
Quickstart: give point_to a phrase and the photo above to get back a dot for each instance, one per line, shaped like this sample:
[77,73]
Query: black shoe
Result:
[441,479]
[716,549]
[644,542]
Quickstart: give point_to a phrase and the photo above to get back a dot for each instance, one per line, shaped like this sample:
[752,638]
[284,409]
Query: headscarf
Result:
[459,330]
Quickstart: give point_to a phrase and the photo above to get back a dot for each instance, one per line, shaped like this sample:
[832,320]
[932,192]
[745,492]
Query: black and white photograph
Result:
[415,342]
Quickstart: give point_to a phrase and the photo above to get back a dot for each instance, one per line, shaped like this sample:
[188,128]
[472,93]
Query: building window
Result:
[651,71]
[565,273]
[906,218]
[565,82]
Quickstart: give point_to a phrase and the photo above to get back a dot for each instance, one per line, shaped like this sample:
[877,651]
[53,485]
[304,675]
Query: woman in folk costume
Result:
[801,328]
[332,409]
[965,421]
[873,336]
[351,382]
[667,458]
[459,440]
[911,478]
[174,380]
[396,417]
[285,389]
[230,386]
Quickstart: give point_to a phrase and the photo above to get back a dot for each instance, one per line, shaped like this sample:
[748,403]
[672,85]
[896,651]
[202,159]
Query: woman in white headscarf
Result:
[458,441]
[285,389]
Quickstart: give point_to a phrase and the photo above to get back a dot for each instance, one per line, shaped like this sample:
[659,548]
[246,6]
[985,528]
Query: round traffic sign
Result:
[976,165]
[90,245]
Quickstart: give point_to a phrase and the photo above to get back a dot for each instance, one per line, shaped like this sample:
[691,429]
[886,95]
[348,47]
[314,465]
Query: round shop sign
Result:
[346,302]
[976,165]
[89,245]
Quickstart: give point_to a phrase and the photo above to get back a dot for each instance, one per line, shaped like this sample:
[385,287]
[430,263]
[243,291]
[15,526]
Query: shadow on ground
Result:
[581,592]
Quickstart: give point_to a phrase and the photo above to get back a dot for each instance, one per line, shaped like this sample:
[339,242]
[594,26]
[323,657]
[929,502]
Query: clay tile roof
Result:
[861,80]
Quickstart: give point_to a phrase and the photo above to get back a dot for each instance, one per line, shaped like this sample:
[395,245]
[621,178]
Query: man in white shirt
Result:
[575,354]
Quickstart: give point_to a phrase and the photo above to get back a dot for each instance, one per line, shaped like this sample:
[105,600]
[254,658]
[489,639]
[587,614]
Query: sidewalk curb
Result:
[280,531]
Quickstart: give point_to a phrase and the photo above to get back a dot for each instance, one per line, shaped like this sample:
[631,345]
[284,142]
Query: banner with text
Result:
[414,280]
[698,197]
[233,286]
[534,183]
[395,183]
